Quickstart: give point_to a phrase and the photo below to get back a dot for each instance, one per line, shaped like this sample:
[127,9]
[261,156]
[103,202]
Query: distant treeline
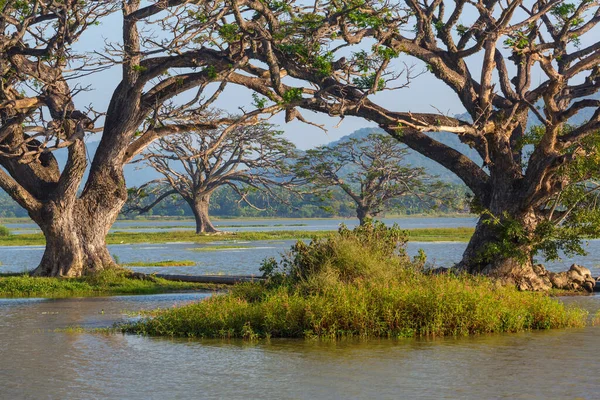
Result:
[225,203]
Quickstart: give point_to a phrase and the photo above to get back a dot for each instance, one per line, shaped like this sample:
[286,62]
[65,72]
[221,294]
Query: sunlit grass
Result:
[165,263]
[360,285]
[418,235]
[108,282]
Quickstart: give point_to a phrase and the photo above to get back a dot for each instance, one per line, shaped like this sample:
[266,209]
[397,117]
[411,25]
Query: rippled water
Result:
[247,258]
[249,225]
[40,362]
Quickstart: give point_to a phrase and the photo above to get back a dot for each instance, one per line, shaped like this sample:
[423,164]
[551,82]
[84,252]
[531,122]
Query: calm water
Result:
[40,362]
[245,225]
[246,259]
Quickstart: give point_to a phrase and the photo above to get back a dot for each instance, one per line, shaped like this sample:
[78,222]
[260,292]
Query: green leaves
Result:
[291,95]
[230,33]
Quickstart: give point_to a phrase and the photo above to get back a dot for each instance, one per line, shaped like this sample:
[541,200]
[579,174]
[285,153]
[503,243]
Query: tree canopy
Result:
[369,170]
[194,165]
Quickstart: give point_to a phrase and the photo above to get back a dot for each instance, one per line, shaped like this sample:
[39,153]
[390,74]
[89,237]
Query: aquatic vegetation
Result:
[165,263]
[219,248]
[104,283]
[422,235]
[360,283]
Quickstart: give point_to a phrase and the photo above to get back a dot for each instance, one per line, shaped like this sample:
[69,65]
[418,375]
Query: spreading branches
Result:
[370,170]
[245,158]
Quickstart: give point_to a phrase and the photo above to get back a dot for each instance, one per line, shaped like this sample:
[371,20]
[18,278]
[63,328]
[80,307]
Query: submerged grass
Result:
[110,282]
[419,235]
[219,248]
[359,284]
[165,263]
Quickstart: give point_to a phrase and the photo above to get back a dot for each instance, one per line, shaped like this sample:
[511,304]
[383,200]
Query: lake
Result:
[41,361]
[246,257]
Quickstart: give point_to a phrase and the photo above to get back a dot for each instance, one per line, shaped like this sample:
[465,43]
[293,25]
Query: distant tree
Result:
[195,164]
[369,170]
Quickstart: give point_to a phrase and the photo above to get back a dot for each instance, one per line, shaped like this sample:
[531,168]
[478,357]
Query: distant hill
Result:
[417,160]
[134,175]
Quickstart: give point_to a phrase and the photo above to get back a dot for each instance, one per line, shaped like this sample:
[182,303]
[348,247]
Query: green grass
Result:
[165,263]
[424,235]
[110,282]
[460,234]
[357,284]
[219,248]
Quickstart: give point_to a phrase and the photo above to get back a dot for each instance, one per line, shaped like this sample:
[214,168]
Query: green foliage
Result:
[462,29]
[349,285]
[307,260]
[211,71]
[110,281]
[291,95]
[4,231]
[518,41]
[258,101]
[139,68]
[229,33]
[368,82]
[165,263]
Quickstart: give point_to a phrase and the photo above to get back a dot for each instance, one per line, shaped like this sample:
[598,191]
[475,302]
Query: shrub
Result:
[360,283]
[4,231]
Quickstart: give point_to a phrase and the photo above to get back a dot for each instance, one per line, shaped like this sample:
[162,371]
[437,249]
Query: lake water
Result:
[247,257]
[251,225]
[41,361]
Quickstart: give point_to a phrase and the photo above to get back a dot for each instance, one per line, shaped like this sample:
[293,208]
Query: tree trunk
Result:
[363,214]
[511,267]
[200,206]
[75,229]
[507,257]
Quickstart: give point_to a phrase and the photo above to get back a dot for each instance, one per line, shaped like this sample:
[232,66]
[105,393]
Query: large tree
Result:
[195,164]
[370,170]
[511,64]
[42,74]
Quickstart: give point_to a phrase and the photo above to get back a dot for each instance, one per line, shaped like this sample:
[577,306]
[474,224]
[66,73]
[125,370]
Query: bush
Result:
[4,231]
[360,283]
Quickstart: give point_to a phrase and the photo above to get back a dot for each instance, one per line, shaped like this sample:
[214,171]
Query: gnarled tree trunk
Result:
[507,257]
[199,206]
[75,230]
[513,267]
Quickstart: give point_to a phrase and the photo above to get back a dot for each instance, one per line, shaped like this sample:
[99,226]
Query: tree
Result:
[250,158]
[369,170]
[324,47]
[42,74]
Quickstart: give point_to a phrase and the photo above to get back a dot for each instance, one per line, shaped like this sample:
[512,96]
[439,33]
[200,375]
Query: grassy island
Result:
[360,283]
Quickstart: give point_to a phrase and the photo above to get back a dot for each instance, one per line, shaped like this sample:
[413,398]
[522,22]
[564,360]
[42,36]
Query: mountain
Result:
[417,160]
[134,175]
